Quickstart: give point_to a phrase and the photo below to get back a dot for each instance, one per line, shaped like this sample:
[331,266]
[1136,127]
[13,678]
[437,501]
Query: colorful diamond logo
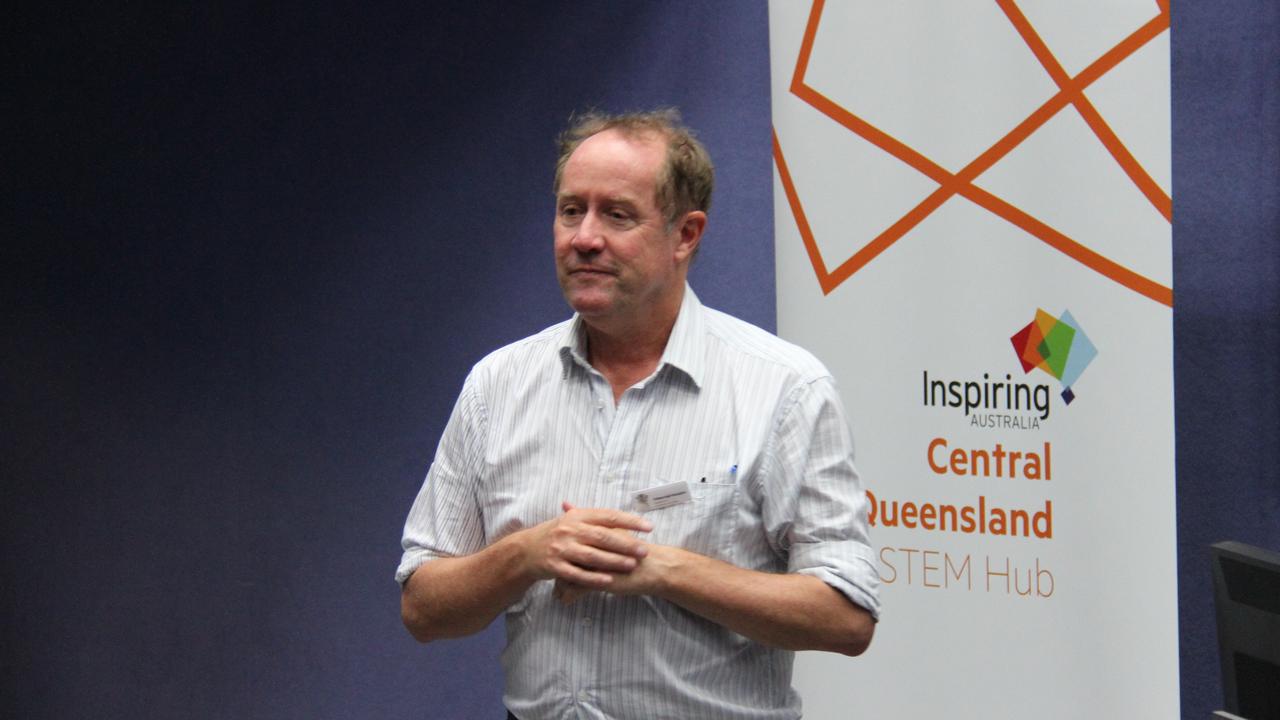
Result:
[1056,345]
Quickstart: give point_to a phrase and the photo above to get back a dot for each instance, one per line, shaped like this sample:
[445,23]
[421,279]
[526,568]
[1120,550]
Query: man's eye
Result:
[569,211]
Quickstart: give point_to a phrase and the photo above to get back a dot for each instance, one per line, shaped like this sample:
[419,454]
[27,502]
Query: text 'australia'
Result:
[991,403]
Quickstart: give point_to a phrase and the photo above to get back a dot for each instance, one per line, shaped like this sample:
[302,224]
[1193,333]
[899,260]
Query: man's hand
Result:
[457,596]
[586,547]
[646,578]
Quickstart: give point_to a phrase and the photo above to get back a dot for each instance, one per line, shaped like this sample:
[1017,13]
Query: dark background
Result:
[1226,313]
[251,254]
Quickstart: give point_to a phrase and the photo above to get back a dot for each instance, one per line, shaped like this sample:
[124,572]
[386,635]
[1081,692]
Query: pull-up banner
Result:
[973,232]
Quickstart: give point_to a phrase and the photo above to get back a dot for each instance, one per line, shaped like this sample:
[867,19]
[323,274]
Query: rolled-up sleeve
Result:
[446,518]
[815,509]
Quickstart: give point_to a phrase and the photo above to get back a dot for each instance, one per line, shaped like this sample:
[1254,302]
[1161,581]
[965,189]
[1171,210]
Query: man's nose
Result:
[590,234]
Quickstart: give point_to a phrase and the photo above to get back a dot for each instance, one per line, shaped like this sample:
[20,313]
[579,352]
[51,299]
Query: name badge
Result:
[656,498]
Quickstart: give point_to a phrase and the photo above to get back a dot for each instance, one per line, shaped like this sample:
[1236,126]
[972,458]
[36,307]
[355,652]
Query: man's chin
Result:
[589,302]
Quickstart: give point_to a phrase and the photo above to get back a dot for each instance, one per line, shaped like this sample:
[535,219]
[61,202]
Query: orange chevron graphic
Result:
[1070,92]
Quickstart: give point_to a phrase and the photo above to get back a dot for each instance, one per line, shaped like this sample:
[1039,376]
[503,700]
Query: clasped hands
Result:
[588,549]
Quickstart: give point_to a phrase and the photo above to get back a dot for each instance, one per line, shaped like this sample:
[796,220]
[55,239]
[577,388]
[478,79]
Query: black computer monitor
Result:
[1246,590]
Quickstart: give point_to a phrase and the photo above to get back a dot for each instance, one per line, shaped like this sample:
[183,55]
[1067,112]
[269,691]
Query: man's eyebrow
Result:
[609,200]
[621,200]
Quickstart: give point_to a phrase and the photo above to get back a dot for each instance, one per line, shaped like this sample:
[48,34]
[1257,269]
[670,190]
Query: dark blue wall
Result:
[1226,316]
[254,252]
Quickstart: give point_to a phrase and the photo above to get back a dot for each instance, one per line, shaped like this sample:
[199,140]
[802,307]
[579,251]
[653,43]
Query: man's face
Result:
[615,258]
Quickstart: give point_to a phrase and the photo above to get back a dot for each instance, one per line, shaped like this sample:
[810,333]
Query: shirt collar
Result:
[685,347]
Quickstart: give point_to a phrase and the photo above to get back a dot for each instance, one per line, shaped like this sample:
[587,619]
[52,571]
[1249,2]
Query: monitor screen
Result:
[1246,587]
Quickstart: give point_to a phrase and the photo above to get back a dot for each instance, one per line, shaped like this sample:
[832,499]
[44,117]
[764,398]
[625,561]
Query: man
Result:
[660,497]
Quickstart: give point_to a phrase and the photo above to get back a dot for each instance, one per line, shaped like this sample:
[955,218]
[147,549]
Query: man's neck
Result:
[629,354]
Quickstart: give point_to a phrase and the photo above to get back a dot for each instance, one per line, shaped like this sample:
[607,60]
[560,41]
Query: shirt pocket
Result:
[703,525]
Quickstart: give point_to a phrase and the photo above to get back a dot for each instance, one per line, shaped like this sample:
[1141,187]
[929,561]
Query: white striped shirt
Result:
[752,423]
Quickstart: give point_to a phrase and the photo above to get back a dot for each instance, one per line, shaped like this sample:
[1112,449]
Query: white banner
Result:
[973,232]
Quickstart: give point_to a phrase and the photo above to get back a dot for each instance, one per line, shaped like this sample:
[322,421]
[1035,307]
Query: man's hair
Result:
[687,177]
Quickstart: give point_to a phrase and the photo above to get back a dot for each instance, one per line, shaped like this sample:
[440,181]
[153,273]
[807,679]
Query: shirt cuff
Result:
[412,560]
[846,565]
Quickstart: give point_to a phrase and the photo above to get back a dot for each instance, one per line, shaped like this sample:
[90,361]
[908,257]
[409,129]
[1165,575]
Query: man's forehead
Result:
[617,164]
[639,147]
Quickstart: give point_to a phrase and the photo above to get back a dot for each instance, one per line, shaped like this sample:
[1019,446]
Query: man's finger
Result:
[610,518]
[586,579]
[594,558]
[611,540]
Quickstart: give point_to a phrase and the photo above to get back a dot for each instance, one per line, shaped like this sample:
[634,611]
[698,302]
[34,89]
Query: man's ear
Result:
[691,228]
